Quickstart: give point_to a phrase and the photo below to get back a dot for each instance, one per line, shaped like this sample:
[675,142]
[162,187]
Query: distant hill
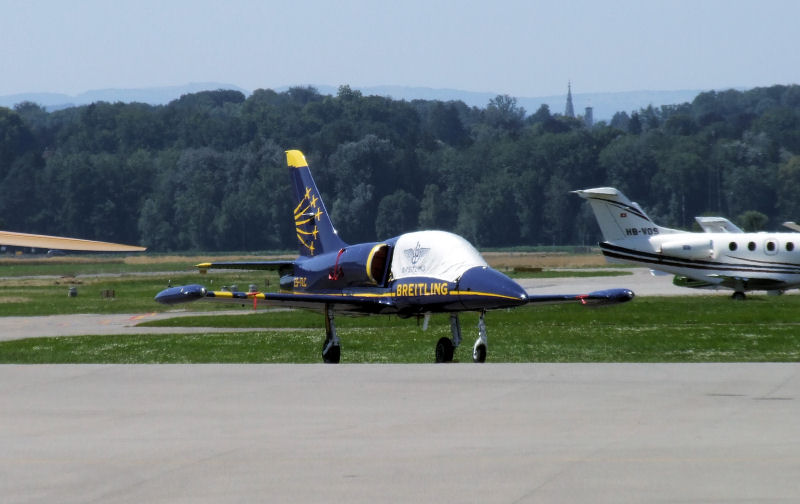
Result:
[604,105]
[152,96]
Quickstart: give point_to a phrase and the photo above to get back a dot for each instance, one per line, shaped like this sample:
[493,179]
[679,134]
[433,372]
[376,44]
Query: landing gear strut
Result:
[445,347]
[739,286]
[331,351]
[479,349]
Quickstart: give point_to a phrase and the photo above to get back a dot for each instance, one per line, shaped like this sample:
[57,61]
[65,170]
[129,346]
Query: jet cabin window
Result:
[732,246]
[770,247]
[751,246]
[789,246]
[434,254]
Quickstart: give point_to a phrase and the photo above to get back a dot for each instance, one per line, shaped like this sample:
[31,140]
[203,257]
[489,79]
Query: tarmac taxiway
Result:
[600,433]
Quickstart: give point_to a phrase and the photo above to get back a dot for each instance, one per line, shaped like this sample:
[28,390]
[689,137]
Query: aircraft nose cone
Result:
[485,288]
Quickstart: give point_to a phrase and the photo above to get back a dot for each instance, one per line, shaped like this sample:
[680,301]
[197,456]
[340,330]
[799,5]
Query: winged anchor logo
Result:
[306,215]
[416,256]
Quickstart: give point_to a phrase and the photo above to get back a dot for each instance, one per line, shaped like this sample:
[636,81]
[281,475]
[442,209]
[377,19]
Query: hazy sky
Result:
[521,48]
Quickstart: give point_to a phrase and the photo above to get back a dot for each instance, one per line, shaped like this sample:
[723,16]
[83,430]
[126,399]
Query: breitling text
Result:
[422,289]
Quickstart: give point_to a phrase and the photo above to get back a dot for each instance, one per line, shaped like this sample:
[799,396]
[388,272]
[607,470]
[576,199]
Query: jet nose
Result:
[482,287]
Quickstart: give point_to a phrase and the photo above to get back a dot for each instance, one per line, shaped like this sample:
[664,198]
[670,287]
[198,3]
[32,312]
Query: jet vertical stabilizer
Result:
[315,232]
[619,218]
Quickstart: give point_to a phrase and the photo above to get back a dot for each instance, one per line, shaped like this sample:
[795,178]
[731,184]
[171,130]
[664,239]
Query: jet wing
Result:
[752,283]
[717,225]
[356,303]
[340,302]
[792,225]
[597,298]
[736,283]
[64,243]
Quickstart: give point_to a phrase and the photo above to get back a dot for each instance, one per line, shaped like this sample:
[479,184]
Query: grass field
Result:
[665,329]
[705,329]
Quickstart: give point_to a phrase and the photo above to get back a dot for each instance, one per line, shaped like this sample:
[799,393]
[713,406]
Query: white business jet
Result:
[723,256]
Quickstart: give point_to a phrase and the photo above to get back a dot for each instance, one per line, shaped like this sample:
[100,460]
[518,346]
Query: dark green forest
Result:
[208,171]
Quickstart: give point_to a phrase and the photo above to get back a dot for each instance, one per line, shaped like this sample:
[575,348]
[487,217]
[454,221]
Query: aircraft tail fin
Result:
[619,218]
[315,232]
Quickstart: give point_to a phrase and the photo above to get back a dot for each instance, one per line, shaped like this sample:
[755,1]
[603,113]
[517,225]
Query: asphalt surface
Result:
[599,433]
[78,324]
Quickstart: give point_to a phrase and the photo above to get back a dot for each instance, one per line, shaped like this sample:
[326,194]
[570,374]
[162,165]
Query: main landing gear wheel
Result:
[331,354]
[444,350]
[446,347]
[738,296]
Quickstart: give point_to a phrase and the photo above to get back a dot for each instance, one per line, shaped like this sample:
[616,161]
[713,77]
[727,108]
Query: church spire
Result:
[570,111]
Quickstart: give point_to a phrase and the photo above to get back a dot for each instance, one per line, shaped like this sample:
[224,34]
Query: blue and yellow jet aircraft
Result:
[409,275]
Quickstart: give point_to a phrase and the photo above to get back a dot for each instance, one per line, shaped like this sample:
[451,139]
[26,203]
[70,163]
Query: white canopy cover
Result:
[436,254]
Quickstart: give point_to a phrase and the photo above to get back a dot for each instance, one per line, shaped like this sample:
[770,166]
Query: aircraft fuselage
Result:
[477,288]
[769,261]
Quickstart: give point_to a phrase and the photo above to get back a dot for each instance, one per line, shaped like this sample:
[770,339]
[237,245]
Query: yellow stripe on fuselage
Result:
[484,294]
[261,295]
[395,295]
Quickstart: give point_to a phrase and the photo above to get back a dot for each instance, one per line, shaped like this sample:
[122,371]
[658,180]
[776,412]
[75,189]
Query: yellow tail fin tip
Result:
[295,159]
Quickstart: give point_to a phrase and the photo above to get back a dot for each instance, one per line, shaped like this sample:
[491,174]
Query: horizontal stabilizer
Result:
[281,266]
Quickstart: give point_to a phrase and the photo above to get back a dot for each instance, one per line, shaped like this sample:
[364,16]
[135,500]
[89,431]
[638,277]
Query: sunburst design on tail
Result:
[314,229]
[306,215]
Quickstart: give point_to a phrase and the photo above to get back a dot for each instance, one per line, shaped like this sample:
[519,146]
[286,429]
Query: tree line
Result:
[208,172]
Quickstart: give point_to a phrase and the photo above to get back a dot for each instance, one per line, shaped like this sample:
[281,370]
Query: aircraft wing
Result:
[792,225]
[356,303]
[340,302]
[63,243]
[597,298]
[717,225]
[733,282]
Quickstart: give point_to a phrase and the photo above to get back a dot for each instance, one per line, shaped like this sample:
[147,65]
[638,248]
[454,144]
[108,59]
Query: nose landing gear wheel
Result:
[479,349]
[479,353]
